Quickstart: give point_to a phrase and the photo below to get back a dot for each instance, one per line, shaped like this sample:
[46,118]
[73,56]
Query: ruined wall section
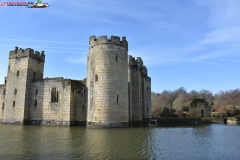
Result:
[107,82]
[47,112]
[17,98]
[2,97]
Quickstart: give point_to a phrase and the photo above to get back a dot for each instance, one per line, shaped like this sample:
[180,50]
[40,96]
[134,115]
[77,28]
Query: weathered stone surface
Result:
[117,89]
[200,108]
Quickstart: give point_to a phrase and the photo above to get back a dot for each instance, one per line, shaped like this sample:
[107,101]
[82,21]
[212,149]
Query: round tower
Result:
[107,82]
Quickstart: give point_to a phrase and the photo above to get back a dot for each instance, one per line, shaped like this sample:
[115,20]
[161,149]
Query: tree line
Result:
[177,102]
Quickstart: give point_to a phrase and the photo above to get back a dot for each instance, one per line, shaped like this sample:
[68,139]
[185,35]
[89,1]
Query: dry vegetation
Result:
[176,103]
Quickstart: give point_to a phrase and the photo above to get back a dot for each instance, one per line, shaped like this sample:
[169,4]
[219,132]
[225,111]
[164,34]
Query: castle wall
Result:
[117,89]
[46,111]
[79,102]
[136,95]
[140,91]
[107,82]
[21,64]
[148,98]
[2,96]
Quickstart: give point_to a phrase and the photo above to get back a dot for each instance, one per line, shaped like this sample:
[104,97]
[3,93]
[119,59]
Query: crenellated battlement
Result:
[17,53]
[137,63]
[104,40]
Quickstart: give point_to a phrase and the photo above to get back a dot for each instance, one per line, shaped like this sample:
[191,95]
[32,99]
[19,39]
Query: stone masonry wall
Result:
[47,112]
[107,82]
[2,96]
[80,101]
[21,63]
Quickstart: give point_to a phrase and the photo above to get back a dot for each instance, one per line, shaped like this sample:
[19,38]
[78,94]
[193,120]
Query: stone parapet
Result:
[93,41]
[28,52]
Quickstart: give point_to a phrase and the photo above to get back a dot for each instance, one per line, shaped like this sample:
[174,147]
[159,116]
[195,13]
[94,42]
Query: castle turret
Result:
[107,82]
[24,66]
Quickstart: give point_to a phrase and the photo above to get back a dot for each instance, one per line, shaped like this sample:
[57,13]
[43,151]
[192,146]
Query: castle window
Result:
[35,103]
[13,103]
[83,107]
[15,91]
[17,73]
[34,75]
[116,57]
[4,91]
[3,105]
[36,91]
[147,110]
[96,78]
[54,95]
[117,98]
[84,91]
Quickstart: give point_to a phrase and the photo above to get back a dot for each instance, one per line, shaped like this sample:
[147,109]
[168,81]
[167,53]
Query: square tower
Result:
[24,66]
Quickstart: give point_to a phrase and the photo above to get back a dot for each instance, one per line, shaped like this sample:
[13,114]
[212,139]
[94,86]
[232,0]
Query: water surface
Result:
[215,141]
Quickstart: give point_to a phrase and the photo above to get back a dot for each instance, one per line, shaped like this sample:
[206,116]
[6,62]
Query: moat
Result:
[214,141]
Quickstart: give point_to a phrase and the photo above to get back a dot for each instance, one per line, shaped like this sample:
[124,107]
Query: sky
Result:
[193,44]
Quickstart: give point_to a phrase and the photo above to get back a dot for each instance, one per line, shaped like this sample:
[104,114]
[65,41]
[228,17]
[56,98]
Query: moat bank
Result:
[213,141]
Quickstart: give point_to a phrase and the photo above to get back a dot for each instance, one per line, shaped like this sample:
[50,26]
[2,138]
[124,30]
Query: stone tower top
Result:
[104,40]
[17,53]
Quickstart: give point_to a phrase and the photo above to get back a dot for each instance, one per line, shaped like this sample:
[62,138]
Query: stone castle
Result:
[116,92]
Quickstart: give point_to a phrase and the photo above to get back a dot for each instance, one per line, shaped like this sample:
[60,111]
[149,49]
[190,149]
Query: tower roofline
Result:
[28,52]
[93,40]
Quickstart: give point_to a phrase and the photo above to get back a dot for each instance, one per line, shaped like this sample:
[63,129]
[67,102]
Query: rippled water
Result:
[214,141]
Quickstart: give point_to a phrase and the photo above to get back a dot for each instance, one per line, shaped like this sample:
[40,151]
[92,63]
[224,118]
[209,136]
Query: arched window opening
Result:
[35,103]
[15,91]
[96,78]
[17,73]
[117,98]
[54,95]
[4,91]
[116,57]
[34,75]
[3,105]
[36,91]
[13,103]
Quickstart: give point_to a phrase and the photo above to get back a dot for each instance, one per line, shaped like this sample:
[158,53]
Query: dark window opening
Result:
[83,107]
[34,75]
[147,110]
[96,78]
[116,57]
[13,103]
[202,113]
[84,91]
[54,95]
[117,98]
[17,73]
[15,91]
[4,91]
[35,103]
[36,91]
[3,105]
